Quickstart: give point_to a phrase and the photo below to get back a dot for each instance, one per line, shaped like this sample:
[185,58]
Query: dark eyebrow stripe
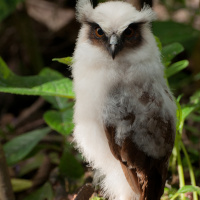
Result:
[93,24]
[136,23]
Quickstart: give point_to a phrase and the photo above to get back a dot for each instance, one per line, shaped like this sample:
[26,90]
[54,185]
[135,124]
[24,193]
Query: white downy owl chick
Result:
[124,112]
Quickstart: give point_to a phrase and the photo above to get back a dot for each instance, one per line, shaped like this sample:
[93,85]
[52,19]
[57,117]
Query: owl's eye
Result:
[99,32]
[129,32]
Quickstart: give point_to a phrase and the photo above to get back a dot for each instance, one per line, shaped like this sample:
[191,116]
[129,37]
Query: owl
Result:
[124,113]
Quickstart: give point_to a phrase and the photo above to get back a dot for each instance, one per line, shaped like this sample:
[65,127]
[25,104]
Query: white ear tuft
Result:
[148,13]
[83,10]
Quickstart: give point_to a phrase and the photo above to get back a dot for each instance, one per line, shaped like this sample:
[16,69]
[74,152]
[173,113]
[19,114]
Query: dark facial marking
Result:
[97,35]
[130,38]
[132,35]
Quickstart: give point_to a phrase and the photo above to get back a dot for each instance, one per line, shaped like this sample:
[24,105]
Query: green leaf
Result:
[189,188]
[9,79]
[176,67]
[61,121]
[31,164]
[97,198]
[44,193]
[170,51]
[66,61]
[179,117]
[20,185]
[18,148]
[185,189]
[61,88]
[7,6]
[50,74]
[69,166]
[195,98]
[187,110]
[59,103]
[158,42]
[169,32]
[47,83]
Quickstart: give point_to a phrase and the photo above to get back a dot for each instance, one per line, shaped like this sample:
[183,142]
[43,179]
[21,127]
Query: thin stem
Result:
[175,196]
[180,166]
[193,181]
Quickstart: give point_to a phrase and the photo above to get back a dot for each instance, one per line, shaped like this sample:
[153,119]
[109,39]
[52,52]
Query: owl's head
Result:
[115,26]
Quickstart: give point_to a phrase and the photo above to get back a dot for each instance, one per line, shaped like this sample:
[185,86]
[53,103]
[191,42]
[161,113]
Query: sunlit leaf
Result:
[187,110]
[47,83]
[189,188]
[9,79]
[176,67]
[66,61]
[158,42]
[179,117]
[44,193]
[19,147]
[60,88]
[20,185]
[97,198]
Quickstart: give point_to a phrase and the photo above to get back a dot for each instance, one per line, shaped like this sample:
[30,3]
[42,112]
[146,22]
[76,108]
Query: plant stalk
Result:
[180,166]
[193,181]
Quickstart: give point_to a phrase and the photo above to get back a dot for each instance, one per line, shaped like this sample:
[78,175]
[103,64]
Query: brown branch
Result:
[28,111]
[29,126]
[6,192]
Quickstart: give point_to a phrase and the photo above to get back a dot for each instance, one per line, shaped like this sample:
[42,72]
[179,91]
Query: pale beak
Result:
[113,45]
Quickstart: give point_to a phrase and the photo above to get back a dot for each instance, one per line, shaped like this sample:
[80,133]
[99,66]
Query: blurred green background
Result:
[35,131]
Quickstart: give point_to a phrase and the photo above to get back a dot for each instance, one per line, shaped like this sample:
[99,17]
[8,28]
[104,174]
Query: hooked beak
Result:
[113,45]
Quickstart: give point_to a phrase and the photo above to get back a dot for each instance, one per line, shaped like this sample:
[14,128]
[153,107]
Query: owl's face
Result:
[115,41]
[115,27]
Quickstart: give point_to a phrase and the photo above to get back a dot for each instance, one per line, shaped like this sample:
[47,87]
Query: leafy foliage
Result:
[60,121]
[69,166]
[21,184]
[47,83]
[57,90]
[45,192]
[52,83]
[169,32]
[18,148]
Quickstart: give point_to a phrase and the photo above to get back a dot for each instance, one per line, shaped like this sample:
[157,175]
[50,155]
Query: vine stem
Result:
[180,166]
[193,181]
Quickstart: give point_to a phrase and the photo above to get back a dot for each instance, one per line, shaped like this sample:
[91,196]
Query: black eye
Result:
[129,32]
[99,32]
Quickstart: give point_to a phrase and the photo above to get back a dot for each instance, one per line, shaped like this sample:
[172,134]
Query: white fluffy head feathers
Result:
[84,11]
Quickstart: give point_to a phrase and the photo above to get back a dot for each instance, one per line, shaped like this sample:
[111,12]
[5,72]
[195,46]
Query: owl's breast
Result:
[141,112]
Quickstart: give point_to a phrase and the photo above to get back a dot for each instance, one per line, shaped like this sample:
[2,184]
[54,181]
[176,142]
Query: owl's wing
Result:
[146,175]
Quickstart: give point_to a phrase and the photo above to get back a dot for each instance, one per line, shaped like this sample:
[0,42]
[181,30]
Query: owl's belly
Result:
[140,113]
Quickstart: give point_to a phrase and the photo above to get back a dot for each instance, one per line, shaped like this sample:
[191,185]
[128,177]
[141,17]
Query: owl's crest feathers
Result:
[83,9]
